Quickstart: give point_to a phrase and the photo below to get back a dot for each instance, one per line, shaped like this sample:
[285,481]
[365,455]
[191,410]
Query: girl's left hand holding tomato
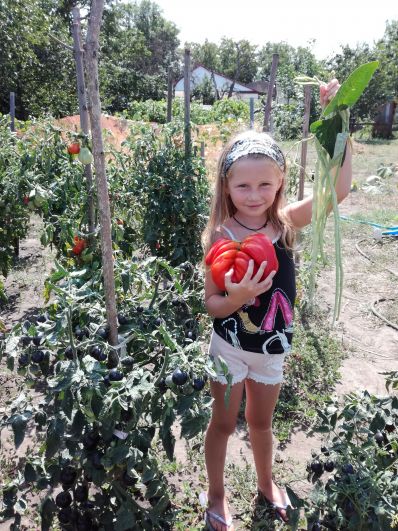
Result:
[328,91]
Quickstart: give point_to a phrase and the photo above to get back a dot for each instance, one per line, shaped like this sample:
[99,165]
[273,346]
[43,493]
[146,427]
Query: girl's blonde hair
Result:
[222,207]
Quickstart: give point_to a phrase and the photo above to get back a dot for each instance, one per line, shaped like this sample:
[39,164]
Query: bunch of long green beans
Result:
[331,134]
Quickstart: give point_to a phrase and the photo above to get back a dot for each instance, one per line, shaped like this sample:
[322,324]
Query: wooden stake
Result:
[169,94]
[251,113]
[84,121]
[92,50]
[271,84]
[187,98]
[12,111]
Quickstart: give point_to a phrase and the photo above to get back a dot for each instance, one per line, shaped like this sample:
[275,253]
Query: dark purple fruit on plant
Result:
[69,353]
[63,499]
[162,386]
[329,466]
[127,362]
[40,418]
[97,353]
[23,360]
[349,508]
[80,494]
[37,356]
[81,333]
[379,438]
[129,481]
[189,323]
[179,377]
[139,309]
[175,302]
[347,468]
[65,516]
[84,521]
[158,321]
[25,340]
[115,375]
[190,335]
[122,319]
[38,339]
[102,333]
[316,467]
[68,476]
[389,428]
[106,380]
[96,460]
[126,416]
[198,384]
[90,440]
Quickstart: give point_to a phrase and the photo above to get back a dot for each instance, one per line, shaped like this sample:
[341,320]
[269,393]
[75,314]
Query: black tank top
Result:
[267,325]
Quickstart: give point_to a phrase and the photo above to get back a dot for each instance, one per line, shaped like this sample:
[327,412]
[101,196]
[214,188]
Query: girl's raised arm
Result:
[300,212]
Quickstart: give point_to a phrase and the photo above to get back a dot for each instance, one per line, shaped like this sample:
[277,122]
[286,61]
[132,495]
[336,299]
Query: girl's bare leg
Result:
[260,404]
[221,426]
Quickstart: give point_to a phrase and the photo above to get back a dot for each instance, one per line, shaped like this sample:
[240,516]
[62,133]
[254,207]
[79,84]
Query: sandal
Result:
[210,515]
[275,505]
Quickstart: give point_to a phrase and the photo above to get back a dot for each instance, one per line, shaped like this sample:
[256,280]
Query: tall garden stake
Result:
[92,50]
[187,100]
[271,84]
[83,111]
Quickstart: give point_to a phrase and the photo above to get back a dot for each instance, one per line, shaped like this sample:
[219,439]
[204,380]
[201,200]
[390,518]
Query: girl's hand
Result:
[327,91]
[248,287]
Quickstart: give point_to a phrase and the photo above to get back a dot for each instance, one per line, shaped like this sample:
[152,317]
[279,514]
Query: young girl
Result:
[253,320]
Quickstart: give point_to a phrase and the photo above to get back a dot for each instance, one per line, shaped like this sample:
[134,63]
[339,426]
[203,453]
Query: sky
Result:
[323,26]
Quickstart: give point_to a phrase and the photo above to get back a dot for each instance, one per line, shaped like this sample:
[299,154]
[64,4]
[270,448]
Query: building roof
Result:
[244,88]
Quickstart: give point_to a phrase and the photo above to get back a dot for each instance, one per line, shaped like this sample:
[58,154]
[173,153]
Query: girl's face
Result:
[252,185]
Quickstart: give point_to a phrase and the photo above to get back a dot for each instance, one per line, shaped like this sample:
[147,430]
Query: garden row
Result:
[105,411]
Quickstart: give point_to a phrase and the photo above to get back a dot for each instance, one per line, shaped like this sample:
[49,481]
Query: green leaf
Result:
[18,425]
[168,441]
[55,433]
[29,473]
[326,132]
[125,519]
[352,88]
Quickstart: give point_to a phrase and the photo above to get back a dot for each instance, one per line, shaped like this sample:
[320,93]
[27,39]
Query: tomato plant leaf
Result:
[18,425]
[30,473]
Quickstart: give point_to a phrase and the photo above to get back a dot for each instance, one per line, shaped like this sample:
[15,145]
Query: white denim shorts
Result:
[262,368]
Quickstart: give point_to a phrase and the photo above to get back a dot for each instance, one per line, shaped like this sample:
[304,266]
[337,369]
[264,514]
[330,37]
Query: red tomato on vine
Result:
[74,148]
[80,245]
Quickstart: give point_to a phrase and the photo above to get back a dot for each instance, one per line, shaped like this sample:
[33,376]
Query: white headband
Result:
[265,145]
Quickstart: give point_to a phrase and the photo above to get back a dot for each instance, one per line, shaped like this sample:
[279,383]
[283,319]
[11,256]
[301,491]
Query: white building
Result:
[223,83]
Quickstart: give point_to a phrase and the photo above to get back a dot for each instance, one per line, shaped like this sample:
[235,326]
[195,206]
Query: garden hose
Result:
[380,316]
[390,231]
[370,259]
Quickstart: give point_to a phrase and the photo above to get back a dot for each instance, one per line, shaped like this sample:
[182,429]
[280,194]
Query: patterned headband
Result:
[254,145]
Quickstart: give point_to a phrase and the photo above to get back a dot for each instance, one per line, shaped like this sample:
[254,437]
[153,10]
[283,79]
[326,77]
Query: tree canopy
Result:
[139,45]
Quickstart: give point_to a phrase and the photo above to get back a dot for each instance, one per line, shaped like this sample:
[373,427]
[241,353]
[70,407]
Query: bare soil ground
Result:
[370,343]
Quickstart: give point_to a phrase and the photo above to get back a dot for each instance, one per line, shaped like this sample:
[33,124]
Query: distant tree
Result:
[38,69]
[138,46]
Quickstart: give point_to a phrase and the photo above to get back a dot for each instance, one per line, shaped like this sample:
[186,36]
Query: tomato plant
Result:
[14,188]
[104,409]
[356,471]
[171,194]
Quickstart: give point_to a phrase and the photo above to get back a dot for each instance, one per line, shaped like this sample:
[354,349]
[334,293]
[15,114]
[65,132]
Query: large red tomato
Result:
[225,254]
[74,148]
